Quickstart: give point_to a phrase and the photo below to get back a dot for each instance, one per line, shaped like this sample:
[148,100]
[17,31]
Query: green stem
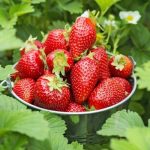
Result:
[115,46]
[108,35]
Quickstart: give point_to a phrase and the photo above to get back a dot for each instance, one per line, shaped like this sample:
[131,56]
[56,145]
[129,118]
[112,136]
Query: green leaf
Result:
[16,55]
[9,103]
[138,33]
[58,24]
[21,9]
[143,73]
[25,122]
[56,124]
[5,72]
[119,122]
[122,145]
[5,21]
[34,1]
[137,139]
[77,146]
[136,107]
[8,36]
[105,5]
[74,7]
[137,95]
[54,142]
[13,141]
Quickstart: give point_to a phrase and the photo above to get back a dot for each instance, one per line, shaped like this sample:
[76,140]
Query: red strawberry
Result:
[55,40]
[84,76]
[125,83]
[74,107]
[24,88]
[59,61]
[30,44]
[101,55]
[107,93]
[30,65]
[52,93]
[120,66]
[82,36]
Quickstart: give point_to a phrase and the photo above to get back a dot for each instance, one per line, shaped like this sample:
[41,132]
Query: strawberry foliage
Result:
[21,18]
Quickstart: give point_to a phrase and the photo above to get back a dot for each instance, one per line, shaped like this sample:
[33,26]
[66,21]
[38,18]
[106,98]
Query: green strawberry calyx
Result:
[119,62]
[56,83]
[67,31]
[60,63]
[29,44]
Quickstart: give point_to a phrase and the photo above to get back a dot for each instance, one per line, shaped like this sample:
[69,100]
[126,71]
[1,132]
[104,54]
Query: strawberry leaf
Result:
[8,142]
[105,5]
[56,124]
[119,122]
[5,72]
[74,7]
[137,139]
[25,122]
[10,104]
[143,73]
[9,36]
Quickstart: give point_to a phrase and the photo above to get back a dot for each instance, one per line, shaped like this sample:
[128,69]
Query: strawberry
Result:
[101,56]
[52,93]
[55,40]
[30,65]
[59,61]
[107,93]
[24,89]
[125,83]
[84,76]
[120,66]
[74,107]
[30,44]
[82,36]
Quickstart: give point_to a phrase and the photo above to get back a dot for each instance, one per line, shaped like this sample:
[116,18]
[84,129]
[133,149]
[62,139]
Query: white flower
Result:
[86,14]
[131,17]
[110,23]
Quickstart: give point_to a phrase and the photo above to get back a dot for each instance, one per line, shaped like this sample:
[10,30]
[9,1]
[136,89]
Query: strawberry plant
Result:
[70,69]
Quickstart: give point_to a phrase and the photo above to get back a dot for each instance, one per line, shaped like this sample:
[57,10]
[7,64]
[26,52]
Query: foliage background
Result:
[20,18]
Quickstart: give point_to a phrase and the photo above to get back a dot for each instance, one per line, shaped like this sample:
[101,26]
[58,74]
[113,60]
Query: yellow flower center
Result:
[130,18]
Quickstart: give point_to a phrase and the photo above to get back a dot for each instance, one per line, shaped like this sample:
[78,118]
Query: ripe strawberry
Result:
[107,93]
[55,40]
[82,36]
[52,93]
[84,76]
[59,61]
[30,44]
[30,65]
[125,83]
[74,107]
[101,55]
[120,66]
[24,89]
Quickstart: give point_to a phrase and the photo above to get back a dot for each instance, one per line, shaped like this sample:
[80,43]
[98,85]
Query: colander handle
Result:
[5,84]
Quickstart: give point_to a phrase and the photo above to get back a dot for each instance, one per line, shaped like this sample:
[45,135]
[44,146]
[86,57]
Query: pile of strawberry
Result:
[68,74]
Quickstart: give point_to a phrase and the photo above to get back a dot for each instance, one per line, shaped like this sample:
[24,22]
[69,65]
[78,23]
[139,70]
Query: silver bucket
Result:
[82,126]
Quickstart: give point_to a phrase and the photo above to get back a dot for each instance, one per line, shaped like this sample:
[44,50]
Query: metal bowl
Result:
[82,126]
